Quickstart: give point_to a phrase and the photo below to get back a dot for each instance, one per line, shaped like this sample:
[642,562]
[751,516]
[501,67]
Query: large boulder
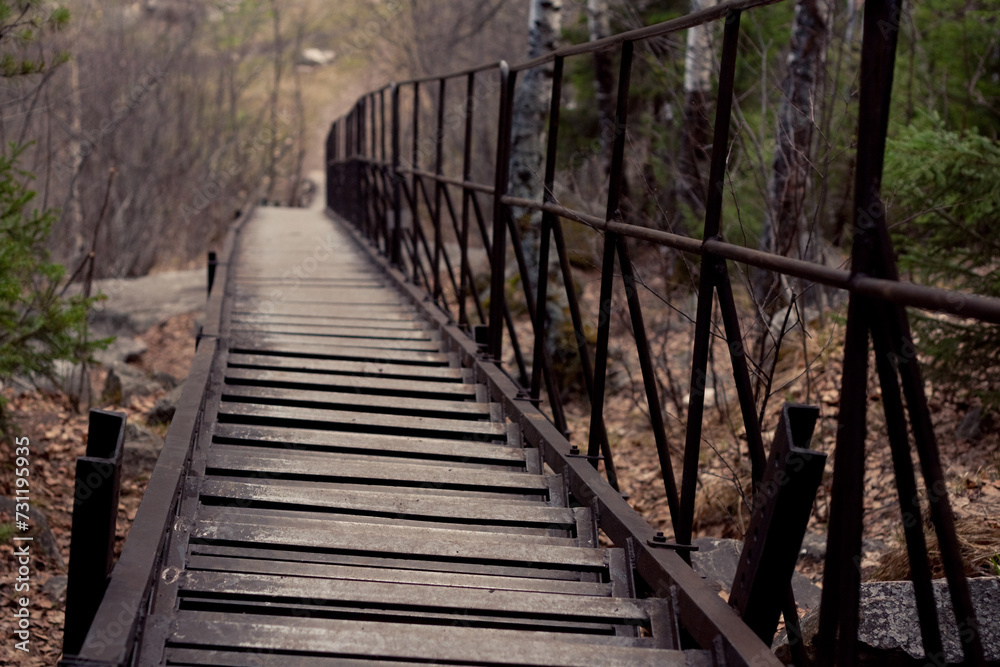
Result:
[124,381]
[717,560]
[889,629]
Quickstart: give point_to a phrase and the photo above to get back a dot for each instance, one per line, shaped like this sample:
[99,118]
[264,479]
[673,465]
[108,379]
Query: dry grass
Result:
[978,539]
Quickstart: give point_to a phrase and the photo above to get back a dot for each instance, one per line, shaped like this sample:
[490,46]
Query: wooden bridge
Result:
[353,491]
[353,475]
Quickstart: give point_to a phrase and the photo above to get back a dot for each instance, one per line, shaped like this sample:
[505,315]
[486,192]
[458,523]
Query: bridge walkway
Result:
[353,495]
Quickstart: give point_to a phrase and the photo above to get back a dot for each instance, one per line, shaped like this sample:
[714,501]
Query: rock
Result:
[166,380]
[717,559]
[125,349]
[889,630]
[136,304]
[164,409]
[969,429]
[65,378]
[142,448]
[39,524]
[123,382]
[55,588]
[813,547]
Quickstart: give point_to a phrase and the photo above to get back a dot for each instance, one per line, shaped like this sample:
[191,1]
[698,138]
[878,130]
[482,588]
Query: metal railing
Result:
[408,211]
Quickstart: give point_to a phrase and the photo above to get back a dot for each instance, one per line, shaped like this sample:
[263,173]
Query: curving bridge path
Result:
[352,493]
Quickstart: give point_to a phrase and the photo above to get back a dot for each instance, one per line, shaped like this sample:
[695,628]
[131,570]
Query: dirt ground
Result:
[57,435]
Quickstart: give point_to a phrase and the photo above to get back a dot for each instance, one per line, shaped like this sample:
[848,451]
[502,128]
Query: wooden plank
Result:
[333,340]
[222,524]
[209,657]
[394,561]
[252,342]
[389,445]
[357,639]
[375,594]
[247,413]
[323,306]
[331,400]
[412,506]
[326,329]
[390,575]
[373,320]
[246,358]
[303,519]
[375,386]
[315,464]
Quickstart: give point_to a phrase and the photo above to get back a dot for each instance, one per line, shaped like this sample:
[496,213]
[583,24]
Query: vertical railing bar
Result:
[597,427]
[438,170]
[515,345]
[416,235]
[397,212]
[447,262]
[930,464]
[414,166]
[741,374]
[369,167]
[649,380]
[558,415]
[501,177]
[463,316]
[586,366]
[541,312]
[597,440]
[329,157]
[706,286]
[838,624]
[541,319]
[381,168]
[481,224]
[906,491]
[453,217]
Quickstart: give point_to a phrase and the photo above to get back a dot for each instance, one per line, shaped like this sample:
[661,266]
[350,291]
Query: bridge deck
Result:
[352,494]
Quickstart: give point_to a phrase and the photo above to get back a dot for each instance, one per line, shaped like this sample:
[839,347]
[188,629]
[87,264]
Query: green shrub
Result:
[945,205]
[37,325]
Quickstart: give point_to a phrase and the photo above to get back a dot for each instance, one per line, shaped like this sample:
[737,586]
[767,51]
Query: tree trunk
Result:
[599,27]
[787,229]
[699,58]
[531,106]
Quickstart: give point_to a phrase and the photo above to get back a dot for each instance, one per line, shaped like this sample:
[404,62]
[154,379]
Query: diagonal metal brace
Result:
[781,512]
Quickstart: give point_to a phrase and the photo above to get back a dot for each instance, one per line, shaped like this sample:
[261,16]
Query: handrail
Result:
[391,204]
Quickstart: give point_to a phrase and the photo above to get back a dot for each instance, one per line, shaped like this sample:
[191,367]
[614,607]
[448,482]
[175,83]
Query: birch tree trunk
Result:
[699,58]
[787,229]
[531,106]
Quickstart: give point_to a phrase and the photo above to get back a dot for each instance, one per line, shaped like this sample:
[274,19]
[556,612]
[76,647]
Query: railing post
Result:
[95,512]
[397,204]
[414,165]
[212,263]
[707,281]
[330,154]
[438,186]
[464,269]
[781,512]
[501,178]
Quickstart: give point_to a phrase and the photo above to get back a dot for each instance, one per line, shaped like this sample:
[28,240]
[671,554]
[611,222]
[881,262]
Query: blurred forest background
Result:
[143,127]
[132,133]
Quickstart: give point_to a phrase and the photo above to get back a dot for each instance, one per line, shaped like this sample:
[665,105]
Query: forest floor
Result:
[57,434]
